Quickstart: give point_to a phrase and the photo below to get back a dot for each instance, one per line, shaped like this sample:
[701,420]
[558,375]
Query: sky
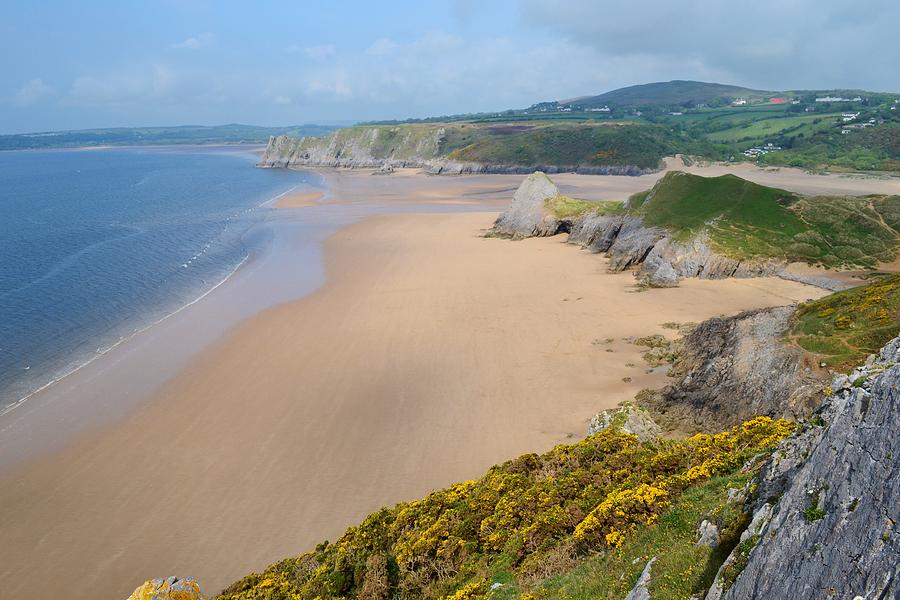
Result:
[112,63]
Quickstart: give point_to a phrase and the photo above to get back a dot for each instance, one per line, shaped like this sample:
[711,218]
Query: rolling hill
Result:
[674,93]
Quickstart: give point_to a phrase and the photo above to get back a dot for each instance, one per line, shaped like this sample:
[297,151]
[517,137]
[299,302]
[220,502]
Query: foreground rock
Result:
[527,215]
[628,418]
[170,588]
[825,522]
[731,369]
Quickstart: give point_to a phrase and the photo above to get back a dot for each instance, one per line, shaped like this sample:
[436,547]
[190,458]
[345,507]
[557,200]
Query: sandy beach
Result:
[429,354]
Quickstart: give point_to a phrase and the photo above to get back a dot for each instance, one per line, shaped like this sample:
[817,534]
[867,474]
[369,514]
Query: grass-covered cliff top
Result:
[584,144]
[577,522]
[564,144]
[843,328]
[747,220]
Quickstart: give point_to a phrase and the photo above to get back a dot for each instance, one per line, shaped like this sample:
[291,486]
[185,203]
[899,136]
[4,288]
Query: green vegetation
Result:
[143,136]
[844,328]
[563,207]
[746,220]
[674,94]
[565,144]
[576,522]
[813,512]
[695,118]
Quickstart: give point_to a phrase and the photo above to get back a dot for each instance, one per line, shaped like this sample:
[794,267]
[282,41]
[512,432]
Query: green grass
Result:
[746,220]
[843,328]
[682,569]
[564,207]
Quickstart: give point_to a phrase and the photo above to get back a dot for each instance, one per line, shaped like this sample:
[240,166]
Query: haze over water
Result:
[97,244]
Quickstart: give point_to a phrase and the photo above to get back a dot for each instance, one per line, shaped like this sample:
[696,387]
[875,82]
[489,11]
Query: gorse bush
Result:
[574,501]
[845,327]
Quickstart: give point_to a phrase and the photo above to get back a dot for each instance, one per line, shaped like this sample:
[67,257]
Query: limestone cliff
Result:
[425,147]
[527,214]
[826,512]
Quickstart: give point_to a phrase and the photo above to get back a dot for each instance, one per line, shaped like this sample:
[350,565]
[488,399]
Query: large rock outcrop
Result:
[527,215]
[825,521]
[731,369]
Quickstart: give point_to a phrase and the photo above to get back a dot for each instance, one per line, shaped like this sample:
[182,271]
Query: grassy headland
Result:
[747,220]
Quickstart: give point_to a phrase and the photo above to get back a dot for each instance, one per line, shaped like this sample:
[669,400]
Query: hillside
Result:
[565,523]
[844,328]
[601,147]
[671,93]
[849,130]
[144,136]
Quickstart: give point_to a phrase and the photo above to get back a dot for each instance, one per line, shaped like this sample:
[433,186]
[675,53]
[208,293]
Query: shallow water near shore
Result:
[112,320]
[96,245]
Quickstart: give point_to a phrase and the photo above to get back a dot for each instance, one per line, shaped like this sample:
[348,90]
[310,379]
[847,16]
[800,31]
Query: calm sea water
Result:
[95,245]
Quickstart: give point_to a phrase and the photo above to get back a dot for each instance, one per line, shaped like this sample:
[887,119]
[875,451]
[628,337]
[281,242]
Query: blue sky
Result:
[163,62]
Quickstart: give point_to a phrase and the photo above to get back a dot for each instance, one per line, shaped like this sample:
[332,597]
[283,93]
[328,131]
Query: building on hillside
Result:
[777,101]
[739,102]
[849,116]
[838,99]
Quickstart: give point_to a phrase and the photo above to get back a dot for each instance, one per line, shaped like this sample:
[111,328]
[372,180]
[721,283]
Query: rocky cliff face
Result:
[825,520]
[659,259]
[731,369]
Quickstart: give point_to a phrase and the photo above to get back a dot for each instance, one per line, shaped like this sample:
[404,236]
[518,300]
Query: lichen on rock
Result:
[170,588]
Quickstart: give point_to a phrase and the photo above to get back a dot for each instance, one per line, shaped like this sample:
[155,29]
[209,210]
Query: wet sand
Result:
[300,200]
[429,354]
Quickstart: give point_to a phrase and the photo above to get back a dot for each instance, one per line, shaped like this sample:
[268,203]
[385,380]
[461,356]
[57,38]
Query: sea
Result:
[97,245]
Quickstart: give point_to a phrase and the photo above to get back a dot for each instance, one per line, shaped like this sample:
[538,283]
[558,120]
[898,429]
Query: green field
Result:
[769,128]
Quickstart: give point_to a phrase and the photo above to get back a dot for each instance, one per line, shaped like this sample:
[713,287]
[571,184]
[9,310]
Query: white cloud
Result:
[32,92]
[200,40]
[136,85]
[382,47]
[319,52]
[282,100]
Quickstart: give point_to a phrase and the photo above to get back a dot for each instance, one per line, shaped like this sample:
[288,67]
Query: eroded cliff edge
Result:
[427,148]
